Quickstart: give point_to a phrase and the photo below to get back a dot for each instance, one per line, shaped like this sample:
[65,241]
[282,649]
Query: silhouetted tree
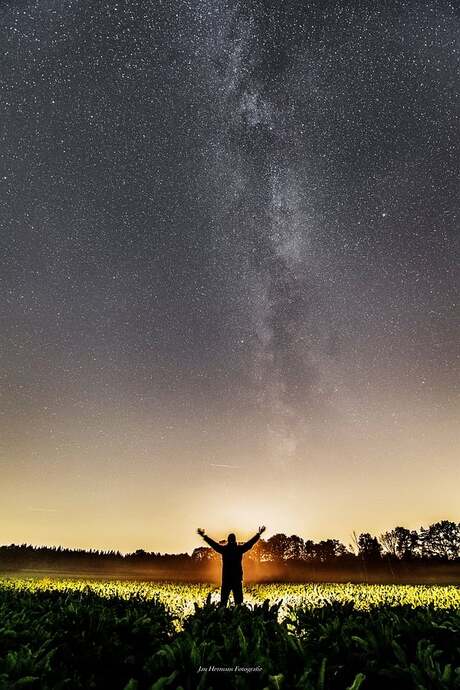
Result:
[277,547]
[203,554]
[401,543]
[309,549]
[328,550]
[369,547]
[260,552]
[295,548]
[441,540]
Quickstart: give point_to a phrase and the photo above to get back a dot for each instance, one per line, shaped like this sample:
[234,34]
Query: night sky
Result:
[229,269]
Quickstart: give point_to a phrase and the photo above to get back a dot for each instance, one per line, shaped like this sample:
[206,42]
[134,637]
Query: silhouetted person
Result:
[232,570]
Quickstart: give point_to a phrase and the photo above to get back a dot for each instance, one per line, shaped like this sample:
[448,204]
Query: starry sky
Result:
[229,269]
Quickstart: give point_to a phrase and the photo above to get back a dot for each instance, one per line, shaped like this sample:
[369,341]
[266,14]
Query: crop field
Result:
[82,634]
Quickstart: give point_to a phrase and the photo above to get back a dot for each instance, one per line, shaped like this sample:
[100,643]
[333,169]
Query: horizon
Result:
[347,543]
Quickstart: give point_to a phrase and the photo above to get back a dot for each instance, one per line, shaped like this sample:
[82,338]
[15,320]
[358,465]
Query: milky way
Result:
[229,245]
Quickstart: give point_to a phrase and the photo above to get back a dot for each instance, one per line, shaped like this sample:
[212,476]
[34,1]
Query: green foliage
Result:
[68,639]
[400,647]
[52,639]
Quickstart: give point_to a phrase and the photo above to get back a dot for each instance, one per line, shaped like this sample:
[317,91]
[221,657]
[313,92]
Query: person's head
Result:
[231,539]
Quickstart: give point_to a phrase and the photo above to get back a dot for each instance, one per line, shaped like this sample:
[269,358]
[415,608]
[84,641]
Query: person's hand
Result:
[200,531]
[262,529]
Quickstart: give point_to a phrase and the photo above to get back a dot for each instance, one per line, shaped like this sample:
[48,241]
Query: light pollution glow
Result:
[229,270]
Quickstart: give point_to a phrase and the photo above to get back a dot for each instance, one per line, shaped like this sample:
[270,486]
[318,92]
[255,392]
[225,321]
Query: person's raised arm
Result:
[250,543]
[213,544]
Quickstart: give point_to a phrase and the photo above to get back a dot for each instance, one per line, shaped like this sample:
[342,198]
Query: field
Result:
[81,634]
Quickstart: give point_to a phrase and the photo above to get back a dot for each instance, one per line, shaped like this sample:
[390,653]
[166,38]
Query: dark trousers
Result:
[235,586]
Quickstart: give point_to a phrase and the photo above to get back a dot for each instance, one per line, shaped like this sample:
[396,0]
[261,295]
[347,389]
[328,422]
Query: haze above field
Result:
[229,276]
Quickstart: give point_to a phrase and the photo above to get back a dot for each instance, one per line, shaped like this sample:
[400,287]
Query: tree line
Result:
[440,542]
